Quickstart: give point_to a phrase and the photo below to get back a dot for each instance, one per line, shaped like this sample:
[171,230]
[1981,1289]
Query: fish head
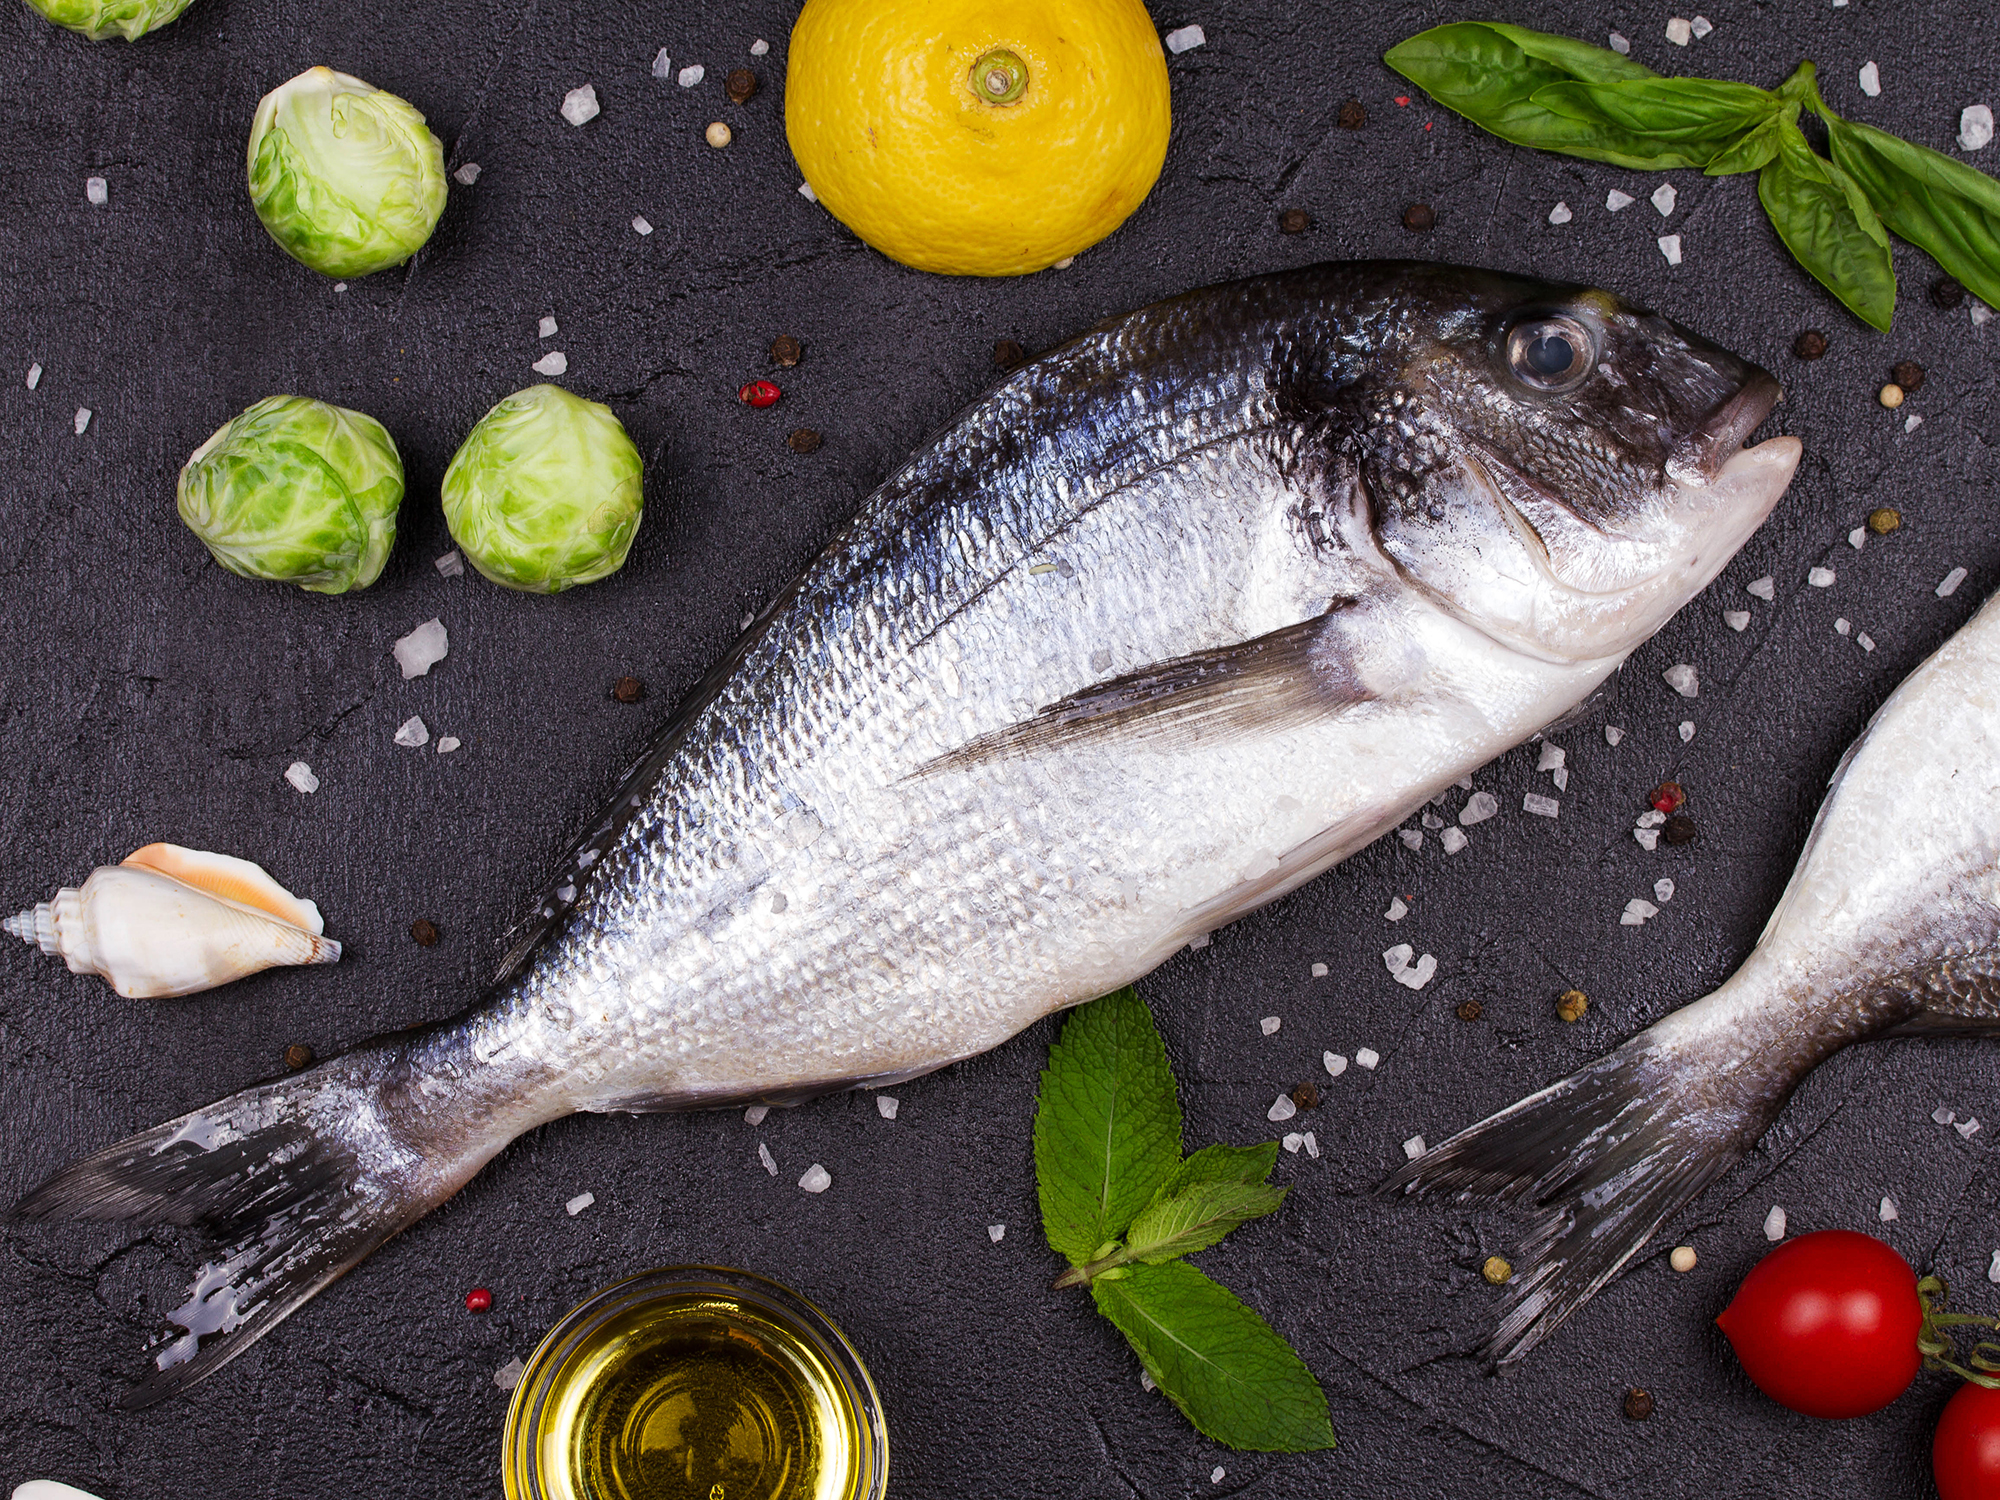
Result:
[1557,467]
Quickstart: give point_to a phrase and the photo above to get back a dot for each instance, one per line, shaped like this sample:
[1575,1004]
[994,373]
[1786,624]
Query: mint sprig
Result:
[1835,216]
[1121,1206]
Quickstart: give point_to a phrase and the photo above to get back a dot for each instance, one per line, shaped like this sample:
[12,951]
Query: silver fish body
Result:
[1169,622]
[1891,922]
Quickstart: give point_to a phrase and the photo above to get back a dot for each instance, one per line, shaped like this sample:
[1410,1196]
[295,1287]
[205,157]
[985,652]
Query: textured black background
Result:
[145,694]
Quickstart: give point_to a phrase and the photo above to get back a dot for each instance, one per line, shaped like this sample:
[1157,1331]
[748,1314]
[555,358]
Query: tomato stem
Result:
[1936,1345]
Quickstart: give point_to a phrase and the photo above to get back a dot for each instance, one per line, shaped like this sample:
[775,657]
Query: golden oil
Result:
[695,1384]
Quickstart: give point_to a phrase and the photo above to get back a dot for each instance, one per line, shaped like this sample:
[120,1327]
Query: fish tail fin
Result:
[1601,1160]
[300,1179]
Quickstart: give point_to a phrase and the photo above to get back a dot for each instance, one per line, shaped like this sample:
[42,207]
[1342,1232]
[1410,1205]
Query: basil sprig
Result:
[1835,215]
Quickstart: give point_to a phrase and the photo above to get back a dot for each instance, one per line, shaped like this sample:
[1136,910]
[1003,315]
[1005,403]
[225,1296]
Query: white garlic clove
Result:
[153,934]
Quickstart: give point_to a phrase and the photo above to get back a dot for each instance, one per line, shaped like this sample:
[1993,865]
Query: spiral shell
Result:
[171,921]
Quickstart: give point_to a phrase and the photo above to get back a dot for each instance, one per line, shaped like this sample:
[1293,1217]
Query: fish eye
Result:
[1551,354]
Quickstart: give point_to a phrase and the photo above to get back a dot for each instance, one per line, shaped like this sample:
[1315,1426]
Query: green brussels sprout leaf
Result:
[98,19]
[347,178]
[545,492]
[296,491]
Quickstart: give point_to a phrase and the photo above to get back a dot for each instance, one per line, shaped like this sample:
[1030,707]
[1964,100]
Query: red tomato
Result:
[1965,1454]
[1827,1324]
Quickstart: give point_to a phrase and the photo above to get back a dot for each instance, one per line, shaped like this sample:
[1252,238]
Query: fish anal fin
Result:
[1291,676]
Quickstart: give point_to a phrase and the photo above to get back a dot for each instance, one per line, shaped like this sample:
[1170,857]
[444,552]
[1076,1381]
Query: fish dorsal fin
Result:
[231,879]
[1291,676]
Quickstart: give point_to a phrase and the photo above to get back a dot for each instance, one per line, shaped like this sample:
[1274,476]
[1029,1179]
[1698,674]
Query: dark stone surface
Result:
[146,694]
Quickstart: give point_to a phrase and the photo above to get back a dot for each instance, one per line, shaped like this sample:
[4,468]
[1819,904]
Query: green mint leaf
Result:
[1826,222]
[1107,1125]
[1177,1224]
[1223,1164]
[1492,75]
[1681,121]
[1221,1364]
[1942,206]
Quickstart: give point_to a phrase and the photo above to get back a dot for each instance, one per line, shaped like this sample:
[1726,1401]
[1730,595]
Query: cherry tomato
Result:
[1965,1454]
[1827,1324]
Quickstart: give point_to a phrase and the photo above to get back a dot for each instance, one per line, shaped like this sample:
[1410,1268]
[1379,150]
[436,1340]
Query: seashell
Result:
[171,921]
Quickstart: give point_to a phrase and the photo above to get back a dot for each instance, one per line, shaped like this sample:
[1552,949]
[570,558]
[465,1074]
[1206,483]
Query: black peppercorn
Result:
[628,690]
[424,933]
[1420,218]
[1809,345]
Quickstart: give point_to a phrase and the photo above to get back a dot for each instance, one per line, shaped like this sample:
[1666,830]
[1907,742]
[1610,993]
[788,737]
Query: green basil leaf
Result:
[1755,147]
[1489,73]
[1107,1125]
[1942,206]
[1685,109]
[1825,221]
[1221,1364]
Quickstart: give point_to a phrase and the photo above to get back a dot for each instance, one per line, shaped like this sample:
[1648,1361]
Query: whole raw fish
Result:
[1891,921]
[1161,627]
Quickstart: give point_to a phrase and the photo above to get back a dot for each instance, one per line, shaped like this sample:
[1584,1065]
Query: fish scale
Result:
[1171,620]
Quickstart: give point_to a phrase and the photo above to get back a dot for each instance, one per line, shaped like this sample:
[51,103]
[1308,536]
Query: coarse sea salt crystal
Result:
[806,192]
[689,76]
[1679,31]
[579,1203]
[82,419]
[468,173]
[663,65]
[300,775]
[641,225]
[1647,838]
[766,1159]
[1652,817]
[1618,201]
[886,1105]
[1993,1271]
[1560,214]
[1842,625]
[1540,806]
[34,376]
[509,1375]
[1670,247]
[996,1232]
[755,1114]
[1413,1147]
[1334,1063]
[1215,1474]
[1464,784]
[1637,912]
[1664,198]
[411,732]
[1453,840]
[1701,26]
[580,106]
[1887,1212]
[1312,1145]
[1913,421]
[1765,588]
[1967,1129]
[1397,959]
[1397,910]
[547,327]
[1975,127]
[1478,808]
[1865,641]
[1552,757]
[1683,679]
[1367,1057]
[1774,1224]
[1736,619]
[448,744]
[1560,776]
[1432,821]
[759,47]
[1663,890]
[1146,1382]
[1282,1109]
[555,362]
[1687,731]
[1945,589]
[1821,578]
[1858,538]
[1621,44]
[1613,734]
[1871,79]
[422,649]
[1185,39]
[1319,971]
[1981,314]
[1412,838]
[816,1180]
[1418,974]
[1270,1024]
[1199,940]
[1944,1115]
[1293,1142]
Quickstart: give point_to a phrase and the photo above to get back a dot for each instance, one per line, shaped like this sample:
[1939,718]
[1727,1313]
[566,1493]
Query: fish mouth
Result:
[1699,456]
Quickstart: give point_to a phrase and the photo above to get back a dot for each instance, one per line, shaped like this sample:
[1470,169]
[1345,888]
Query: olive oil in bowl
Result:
[695,1383]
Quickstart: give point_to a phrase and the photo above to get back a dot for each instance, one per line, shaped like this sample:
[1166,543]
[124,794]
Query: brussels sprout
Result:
[346,177]
[545,492]
[297,491]
[98,19]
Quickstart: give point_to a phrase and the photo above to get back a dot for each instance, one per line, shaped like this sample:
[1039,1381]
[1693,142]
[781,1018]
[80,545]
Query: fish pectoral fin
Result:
[1295,675]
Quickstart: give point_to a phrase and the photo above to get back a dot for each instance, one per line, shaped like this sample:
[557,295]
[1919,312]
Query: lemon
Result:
[977,137]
